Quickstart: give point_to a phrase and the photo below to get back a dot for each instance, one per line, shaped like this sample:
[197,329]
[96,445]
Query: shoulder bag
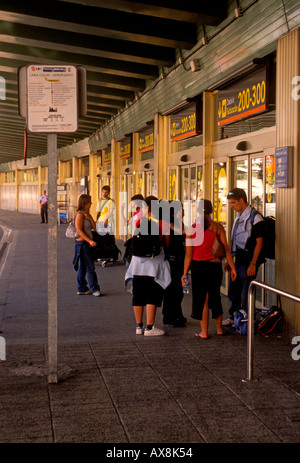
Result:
[71,230]
[218,249]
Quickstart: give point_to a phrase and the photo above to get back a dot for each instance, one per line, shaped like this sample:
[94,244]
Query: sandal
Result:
[225,333]
[201,337]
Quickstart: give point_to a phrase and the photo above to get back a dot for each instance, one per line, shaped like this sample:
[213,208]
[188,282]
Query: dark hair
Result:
[237,193]
[205,207]
[138,196]
[176,207]
[106,187]
[148,200]
[83,200]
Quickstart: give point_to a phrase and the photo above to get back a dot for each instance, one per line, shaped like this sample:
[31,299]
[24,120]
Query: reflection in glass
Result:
[240,174]
[184,184]
[257,184]
[220,193]
[200,182]
[220,200]
[172,184]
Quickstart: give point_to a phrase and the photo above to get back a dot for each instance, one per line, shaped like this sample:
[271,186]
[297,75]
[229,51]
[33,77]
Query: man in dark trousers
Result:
[247,258]
[44,207]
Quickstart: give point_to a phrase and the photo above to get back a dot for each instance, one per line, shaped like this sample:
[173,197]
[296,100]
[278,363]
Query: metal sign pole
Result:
[51,98]
[52,257]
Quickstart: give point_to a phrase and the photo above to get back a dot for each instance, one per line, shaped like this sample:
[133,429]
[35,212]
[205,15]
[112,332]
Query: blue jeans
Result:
[238,289]
[86,267]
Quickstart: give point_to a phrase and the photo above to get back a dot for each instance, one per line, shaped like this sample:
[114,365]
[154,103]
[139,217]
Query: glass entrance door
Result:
[190,190]
[220,204]
[256,175]
[126,193]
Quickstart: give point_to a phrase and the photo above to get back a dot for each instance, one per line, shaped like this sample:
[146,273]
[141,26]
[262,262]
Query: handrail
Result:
[250,335]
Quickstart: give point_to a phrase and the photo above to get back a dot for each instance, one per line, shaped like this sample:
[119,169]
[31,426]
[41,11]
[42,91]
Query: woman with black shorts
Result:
[150,273]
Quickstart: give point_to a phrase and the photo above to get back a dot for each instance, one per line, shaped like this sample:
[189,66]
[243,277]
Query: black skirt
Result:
[206,278]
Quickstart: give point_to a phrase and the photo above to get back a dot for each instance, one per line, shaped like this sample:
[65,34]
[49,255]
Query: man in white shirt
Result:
[105,212]
[247,257]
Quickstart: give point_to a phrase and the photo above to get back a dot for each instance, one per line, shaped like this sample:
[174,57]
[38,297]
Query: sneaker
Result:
[154,332]
[228,322]
[81,293]
[97,293]
[139,330]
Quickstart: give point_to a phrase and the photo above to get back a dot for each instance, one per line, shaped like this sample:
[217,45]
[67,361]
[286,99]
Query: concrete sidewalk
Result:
[116,387]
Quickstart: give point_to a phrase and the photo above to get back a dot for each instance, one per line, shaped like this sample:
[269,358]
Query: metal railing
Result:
[251,309]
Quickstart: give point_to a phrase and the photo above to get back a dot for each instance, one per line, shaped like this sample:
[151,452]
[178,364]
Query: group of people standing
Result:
[161,253]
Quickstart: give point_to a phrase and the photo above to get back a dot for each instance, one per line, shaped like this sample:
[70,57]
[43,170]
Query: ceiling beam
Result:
[89,20]
[200,12]
[85,44]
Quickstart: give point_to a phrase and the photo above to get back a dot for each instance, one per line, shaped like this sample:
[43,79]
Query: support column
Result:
[17,184]
[115,179]
[135,153]
[93,183]
[207,143]
[287,264]
[160,155]
[75,179]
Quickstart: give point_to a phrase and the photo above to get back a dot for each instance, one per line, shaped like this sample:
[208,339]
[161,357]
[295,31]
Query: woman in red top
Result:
[206,270]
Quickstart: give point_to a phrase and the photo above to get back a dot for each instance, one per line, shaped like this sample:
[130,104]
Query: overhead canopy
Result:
[122,45]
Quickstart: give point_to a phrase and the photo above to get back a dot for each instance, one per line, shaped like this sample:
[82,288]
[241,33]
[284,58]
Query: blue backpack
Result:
[241,322]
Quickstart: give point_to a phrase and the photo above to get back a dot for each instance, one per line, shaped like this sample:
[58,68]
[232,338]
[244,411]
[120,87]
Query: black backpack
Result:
[268,250]
[272,321]
[146,242]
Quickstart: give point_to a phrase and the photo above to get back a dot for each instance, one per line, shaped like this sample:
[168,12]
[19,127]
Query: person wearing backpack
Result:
[175,252]
[248,258]
[148,269]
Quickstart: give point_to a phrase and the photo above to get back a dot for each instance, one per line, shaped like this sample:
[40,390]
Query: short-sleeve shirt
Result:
[104,206]
[43,198]
[242,228]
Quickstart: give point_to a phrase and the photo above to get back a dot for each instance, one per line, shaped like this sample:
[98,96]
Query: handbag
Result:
[218,249]
[71,230]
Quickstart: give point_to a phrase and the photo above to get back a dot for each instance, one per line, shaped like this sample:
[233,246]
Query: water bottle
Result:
[186,286]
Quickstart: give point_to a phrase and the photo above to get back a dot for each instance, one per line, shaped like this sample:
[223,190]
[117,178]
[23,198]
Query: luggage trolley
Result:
[106,250]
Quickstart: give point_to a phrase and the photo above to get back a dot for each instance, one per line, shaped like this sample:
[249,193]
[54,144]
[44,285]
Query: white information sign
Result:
[52,105]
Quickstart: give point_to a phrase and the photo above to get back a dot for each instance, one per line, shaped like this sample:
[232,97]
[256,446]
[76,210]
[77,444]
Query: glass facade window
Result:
[257,189]
[149,184]
[245,126]
[270,204]
[220,193]
[200,182]
[187,143]
[172,184]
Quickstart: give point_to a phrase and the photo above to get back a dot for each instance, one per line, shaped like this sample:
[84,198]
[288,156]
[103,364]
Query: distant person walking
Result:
[44,207]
